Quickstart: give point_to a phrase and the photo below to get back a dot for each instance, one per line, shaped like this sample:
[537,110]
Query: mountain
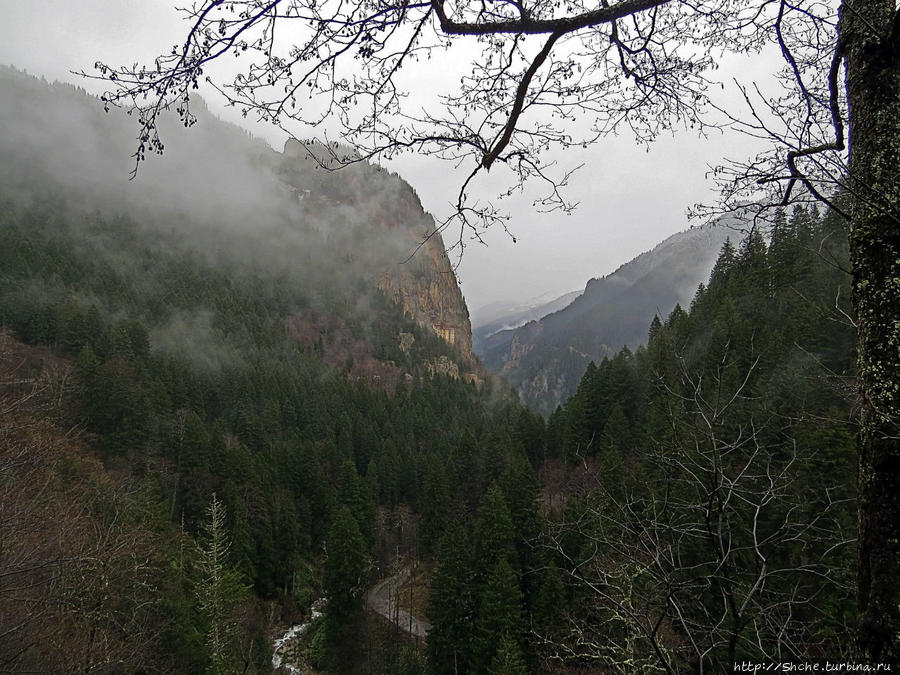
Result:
[733,420]
[230,406]
[233,200]
[399,245]
[502,316]
[545,359]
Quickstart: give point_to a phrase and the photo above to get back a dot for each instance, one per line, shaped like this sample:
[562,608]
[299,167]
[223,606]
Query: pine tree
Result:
[549,604]
[354,493]
[495,534]
[509,659]
[434,503]
[582,412]
[451,603]
[529,433]
[346,562]
[73,331]
[345,567]
[521,491]
[725,263]
[499,614]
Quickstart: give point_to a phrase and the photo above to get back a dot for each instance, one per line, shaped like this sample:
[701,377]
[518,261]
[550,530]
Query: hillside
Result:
[230,343]
[545,359]
[231,199]
[706,482]
[230,417]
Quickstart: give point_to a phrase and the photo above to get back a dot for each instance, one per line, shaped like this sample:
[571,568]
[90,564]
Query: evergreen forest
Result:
[184,471]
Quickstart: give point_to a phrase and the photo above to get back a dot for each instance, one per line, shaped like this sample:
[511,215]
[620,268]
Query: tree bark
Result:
[870,35]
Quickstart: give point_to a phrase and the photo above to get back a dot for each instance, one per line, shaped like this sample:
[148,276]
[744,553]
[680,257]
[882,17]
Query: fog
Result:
[57,130]
[193,336]
[630,197]
[215,180]
[222,205]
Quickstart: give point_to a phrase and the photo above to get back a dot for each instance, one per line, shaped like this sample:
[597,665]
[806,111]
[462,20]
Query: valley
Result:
[242,383]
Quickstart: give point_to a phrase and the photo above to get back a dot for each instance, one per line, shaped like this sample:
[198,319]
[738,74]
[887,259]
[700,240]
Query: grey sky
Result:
[631,197]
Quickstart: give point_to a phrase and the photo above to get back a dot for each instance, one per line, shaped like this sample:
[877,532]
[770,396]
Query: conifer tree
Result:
[346,562]
[521,492]
[451,603]
[345,567]
[495,534]
[499,615]
[740,429]
[509,659]
[550,601]
[434,503]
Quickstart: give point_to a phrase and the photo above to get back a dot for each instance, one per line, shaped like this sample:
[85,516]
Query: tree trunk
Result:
[870,32]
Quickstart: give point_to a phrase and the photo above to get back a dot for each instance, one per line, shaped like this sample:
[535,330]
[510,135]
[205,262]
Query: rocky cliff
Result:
[426,288]
[246,209]
[377,219]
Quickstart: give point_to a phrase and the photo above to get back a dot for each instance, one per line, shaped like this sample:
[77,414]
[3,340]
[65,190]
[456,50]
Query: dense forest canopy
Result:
[723,523]
[636,65]
[219,366]
[188,467]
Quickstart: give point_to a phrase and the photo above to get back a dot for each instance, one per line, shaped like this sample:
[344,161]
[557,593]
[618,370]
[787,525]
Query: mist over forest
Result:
[220,197]
[545,358]
[245,430]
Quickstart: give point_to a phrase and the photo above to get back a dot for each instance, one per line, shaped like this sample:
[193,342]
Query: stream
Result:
[382,599]
[281,646]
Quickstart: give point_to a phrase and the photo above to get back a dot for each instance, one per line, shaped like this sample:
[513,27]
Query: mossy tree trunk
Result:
[870,31]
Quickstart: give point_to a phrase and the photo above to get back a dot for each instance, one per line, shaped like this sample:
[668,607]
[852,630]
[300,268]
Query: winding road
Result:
[382,599]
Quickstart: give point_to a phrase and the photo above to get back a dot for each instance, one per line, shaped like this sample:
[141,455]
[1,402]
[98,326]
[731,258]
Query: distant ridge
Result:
[500,316]
[544,359]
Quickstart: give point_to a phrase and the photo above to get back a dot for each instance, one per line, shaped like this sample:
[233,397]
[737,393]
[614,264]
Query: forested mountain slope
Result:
[219,405]
[707,513]
[697,493]
[236,203]
[545,359]
[228,338]
[507,316]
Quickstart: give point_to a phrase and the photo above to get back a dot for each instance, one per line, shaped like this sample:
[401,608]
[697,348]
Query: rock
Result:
[378,222]
[442,366]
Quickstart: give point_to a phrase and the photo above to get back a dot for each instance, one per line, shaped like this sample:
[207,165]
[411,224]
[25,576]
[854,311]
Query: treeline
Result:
[707,513]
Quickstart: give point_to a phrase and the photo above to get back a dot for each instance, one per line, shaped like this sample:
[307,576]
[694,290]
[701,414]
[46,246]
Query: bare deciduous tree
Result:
[721,553]
[77,574]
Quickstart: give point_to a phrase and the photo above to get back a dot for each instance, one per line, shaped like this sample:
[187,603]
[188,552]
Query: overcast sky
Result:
[630,197]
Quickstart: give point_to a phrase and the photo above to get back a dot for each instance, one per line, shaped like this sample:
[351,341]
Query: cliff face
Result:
[426,288]
[378,221]
[332,238]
